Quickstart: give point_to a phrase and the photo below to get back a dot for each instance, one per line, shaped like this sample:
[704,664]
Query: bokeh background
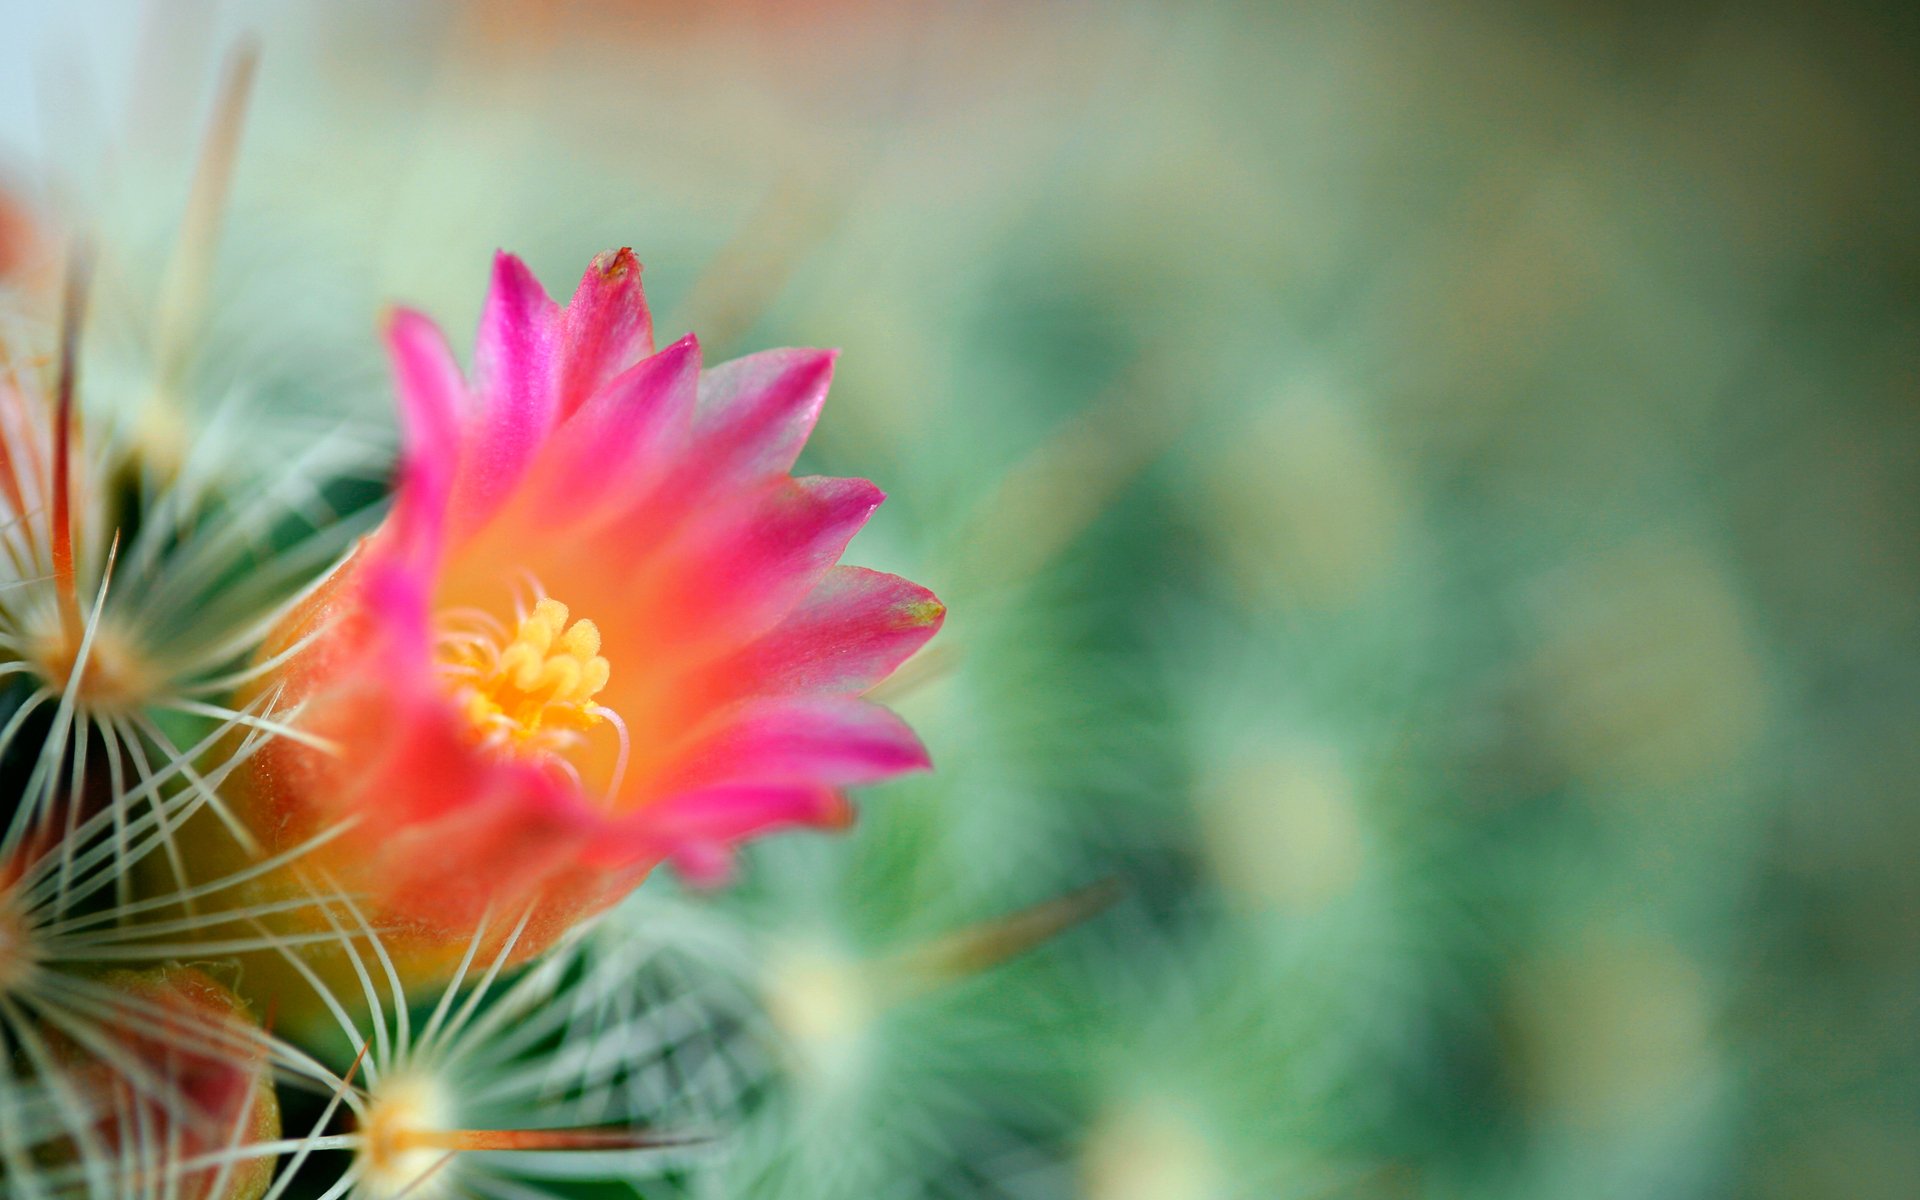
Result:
[1426,496]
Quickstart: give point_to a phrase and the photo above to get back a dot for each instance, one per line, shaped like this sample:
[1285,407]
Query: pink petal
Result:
[753,415]
[620,436]
[704,864]
[393,598]
[831,741]
[432,394]
[605,330]
[731,812]
[756,412]
[699,829]
[513,369]
[847,635]
[739,570]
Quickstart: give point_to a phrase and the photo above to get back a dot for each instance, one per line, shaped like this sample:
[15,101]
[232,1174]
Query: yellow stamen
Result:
[533,695]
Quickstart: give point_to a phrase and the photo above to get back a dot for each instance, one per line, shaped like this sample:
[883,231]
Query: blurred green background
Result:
[1426,497]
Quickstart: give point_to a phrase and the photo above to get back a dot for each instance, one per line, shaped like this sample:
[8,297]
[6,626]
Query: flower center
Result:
[530,693]
[114,679]
[398,1153]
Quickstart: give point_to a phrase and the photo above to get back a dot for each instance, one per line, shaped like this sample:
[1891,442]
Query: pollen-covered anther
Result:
[533,694]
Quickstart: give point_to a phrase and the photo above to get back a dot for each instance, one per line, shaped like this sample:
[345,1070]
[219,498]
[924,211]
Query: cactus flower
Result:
[603,627]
